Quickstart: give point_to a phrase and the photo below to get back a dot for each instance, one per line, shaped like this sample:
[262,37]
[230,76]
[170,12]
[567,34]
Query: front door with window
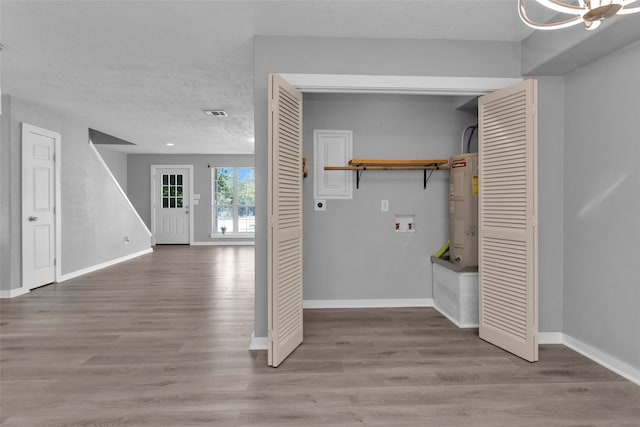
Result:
[171,205]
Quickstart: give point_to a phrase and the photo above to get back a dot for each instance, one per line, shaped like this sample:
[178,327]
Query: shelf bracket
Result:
[428,177]
[358,176]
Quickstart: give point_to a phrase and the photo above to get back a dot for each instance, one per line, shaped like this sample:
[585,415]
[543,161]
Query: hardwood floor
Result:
[162,341]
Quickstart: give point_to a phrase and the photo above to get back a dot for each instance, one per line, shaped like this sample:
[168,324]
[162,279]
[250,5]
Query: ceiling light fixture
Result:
[591,12]
[216,113]
[170,144]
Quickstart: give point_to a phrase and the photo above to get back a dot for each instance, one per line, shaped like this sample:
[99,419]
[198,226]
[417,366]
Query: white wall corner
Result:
[258,343]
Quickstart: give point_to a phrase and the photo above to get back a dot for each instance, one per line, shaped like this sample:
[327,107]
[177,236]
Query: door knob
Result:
[33,218]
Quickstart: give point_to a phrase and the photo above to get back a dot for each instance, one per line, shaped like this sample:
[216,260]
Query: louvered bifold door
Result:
[285,220]
[508,242]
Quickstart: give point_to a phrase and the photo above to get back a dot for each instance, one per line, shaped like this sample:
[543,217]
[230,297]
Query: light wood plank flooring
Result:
[162,341]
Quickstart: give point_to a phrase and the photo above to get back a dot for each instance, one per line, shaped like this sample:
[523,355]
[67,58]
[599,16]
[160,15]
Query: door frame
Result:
[152,188]
[57,187]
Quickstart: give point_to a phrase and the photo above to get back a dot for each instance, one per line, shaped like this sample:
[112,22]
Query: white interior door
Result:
[285,220]
[171,204]
[38,206]
[508,211]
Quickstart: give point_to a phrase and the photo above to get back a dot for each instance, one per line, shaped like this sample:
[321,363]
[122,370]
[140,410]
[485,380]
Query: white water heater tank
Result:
[463,209]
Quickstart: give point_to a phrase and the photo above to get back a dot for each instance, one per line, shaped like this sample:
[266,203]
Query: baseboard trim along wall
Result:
[223,243]
[550,338]
[258,343]
[616,365]
[368,303]
[12,293]
[97,267]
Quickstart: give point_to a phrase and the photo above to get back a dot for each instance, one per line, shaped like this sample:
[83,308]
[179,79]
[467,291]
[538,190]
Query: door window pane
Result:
[172,191]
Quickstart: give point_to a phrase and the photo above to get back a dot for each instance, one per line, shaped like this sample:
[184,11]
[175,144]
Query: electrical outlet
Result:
[384,206]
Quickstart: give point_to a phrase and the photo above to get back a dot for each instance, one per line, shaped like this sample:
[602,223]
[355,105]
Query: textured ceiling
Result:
[144,70]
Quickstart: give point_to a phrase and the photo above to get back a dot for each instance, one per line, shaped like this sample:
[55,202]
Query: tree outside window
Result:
[234,200]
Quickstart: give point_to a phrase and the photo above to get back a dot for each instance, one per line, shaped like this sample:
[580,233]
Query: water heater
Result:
[463,209]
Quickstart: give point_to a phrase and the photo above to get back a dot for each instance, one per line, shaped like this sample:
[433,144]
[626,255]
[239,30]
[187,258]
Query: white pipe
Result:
[462,137]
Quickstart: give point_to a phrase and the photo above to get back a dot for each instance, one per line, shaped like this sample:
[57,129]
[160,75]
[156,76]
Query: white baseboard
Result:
[258,343]
[550,338]
[616,365]
[368,303]
[12,293]
[223,243]
[97,267]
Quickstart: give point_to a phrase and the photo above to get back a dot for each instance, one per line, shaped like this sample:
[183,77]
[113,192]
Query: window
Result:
[171,191]
[234,200]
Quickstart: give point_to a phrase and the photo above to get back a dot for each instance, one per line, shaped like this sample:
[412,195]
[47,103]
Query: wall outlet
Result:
[320,205]
[384,206]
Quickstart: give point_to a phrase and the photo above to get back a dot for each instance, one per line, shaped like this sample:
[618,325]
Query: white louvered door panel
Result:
[507,217]
[285,220]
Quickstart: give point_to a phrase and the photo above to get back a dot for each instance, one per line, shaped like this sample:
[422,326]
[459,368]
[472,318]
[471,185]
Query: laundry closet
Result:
[374,248]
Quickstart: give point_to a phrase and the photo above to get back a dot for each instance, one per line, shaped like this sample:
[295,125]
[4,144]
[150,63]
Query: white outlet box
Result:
[320,205]
[384,206]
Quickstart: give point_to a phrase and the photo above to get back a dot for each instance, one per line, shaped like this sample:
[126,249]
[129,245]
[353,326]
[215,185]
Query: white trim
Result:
[113,178]
[424,85]
[153,194]
[258,343]
[225,243]
[100,266]
[12,293]
[368,303]
[616,365]
[550,338]
[452,320]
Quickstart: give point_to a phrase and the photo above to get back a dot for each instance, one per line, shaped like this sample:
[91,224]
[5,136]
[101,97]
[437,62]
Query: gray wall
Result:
[352,251]
[95,216]
[9,252]
[355,56]
[117,163]
[550,202]
[602,205]
[139,184]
